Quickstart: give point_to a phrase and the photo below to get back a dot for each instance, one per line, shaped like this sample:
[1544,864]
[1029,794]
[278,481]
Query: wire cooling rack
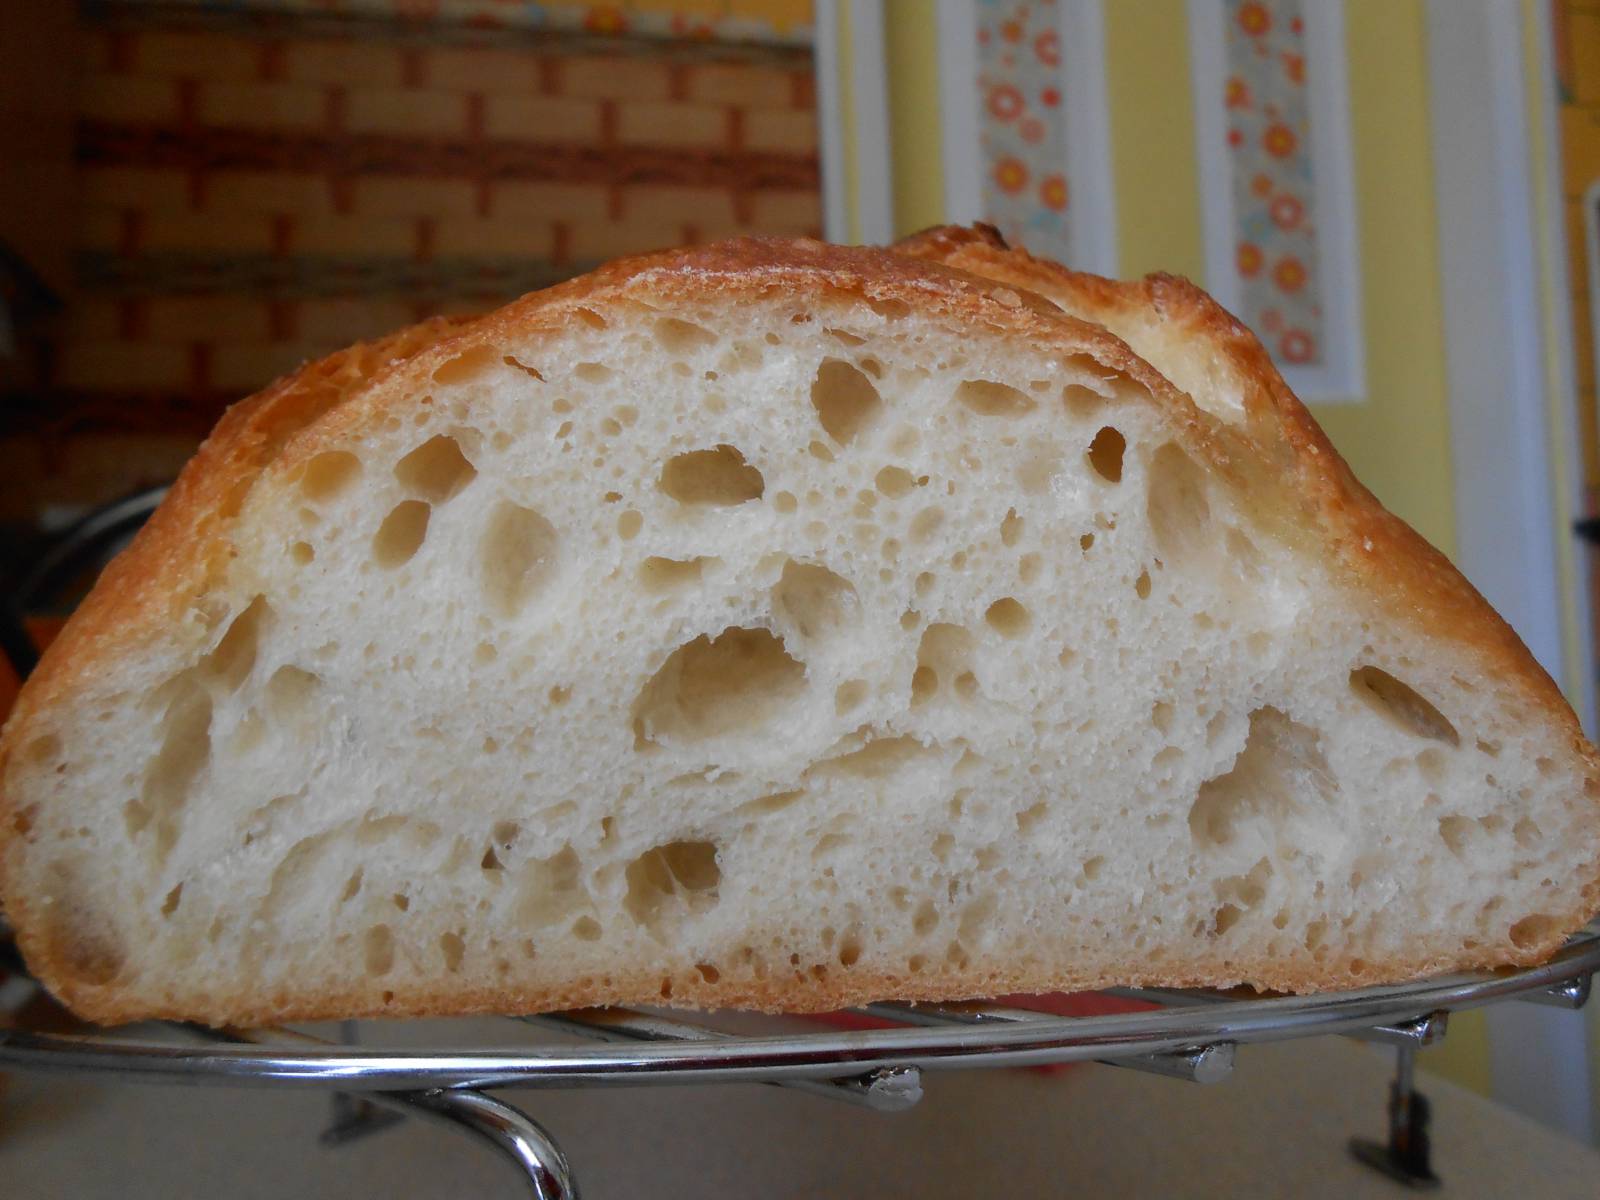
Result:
[1192,1034]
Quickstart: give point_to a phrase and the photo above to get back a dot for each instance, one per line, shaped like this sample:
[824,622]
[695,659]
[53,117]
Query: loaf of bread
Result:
[783,626]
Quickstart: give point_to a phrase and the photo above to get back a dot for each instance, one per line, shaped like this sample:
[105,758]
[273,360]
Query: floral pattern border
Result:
[1274,189]
[1022,124]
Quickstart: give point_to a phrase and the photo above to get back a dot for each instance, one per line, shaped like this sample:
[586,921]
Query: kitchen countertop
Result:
[1278,1127]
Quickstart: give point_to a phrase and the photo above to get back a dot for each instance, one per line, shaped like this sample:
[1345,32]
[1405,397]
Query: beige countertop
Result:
[1278,1127]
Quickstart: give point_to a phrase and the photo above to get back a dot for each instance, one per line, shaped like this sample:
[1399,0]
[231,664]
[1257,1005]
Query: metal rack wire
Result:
[1193,1035]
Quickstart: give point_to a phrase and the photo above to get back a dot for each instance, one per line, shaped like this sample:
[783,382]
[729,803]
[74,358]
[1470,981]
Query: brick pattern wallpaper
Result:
[255,193]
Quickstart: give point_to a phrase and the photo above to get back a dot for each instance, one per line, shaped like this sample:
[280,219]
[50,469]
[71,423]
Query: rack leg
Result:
[510,1131]
[1405,1158]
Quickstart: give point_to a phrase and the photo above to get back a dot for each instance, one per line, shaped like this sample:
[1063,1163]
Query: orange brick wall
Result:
[251,194]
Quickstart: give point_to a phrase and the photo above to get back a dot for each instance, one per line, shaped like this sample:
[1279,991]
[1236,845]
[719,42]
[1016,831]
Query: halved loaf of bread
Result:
[783,626]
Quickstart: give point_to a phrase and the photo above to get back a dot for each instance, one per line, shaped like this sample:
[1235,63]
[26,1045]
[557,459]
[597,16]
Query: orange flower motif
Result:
[1010,175]
[1048,48]
[1261,186]
[1032,131]
[1279,141]
[1005,102]
[1297,346]
[1238,94]
[1053,191]
[1289,274]
[1254,19]
[1248,259]
[1235,138]
[605,19]
[1050,97]
[1287,211]
[1294,66]
[1011,31]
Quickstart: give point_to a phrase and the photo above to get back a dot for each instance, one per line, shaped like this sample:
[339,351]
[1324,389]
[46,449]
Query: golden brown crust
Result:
[163,579]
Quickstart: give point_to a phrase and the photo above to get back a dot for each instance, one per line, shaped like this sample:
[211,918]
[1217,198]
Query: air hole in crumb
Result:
[401,534]
[378,950]
[170,904]
[1141,586]
[1010,528]
[593,372]
[784,502]
[1455,831]
[1105,454]
[925,524]
[517,556]
[677,336]
[1030,816]
[924,684]
[814,599]
[328,474]
[1176,503]
[587,929]
[713,686]
[629,524]
[1008,617]
[1281,760]
[845,400]
[1534,931]
[1527,833]
[894,482]
[671,881]
[1401,705]
[719,476]
[435,470]
[849,695]
[1085,542]
[452,947]
[990,399]
[559,696]
[667,574]
[849,950]
[708,972]
[468,365]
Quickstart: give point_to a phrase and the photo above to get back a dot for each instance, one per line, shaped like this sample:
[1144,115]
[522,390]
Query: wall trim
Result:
[853,113]
[1507,518]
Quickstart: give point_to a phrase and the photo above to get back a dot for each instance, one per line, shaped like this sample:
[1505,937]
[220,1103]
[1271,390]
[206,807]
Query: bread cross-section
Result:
[783,626]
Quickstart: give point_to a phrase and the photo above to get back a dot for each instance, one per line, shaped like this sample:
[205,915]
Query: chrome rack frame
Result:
[1193,1035]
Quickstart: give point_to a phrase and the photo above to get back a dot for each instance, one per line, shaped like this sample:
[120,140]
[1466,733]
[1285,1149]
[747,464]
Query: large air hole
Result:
[845,400]
[518,556]
[550,890]
[735,681]
[944,656]
[1180,514]
[719,476]
[1105,454]
[1401,705]
[668,574]
[235,655]
[185,751]
[289,693]
[435,470]
[990,399]
[468,365]
[1280,769]
[813,599]
[677,336]
[670,882]
[401,534]
[879,758]
[328,474]
[1008,617]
